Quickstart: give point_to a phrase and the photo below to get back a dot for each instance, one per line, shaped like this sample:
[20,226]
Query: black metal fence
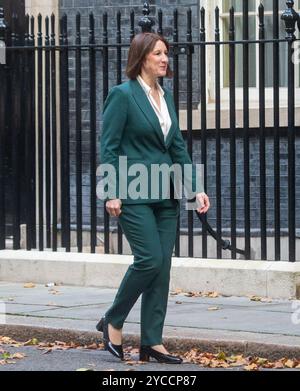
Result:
[39,141]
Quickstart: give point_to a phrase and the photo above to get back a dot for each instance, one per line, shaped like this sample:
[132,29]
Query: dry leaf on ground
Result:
[32,341]
[251,367]
[29,285]
[176,292]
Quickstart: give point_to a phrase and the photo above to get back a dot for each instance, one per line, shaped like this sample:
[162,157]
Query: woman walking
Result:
[140,123]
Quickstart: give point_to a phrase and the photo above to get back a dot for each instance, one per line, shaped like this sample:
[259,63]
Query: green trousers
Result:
[151,232]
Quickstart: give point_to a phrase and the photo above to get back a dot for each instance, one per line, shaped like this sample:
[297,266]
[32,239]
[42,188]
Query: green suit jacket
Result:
[131,131]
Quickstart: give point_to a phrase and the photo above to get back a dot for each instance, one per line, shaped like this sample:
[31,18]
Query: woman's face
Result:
[155,63]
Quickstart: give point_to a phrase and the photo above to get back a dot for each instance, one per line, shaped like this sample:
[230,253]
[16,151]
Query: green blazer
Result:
[132,130]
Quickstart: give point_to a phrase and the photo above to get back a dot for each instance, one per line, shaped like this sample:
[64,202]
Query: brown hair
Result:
[141,45]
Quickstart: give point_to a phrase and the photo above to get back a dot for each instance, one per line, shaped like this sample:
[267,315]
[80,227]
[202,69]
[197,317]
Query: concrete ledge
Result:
[22,333]
[228,277]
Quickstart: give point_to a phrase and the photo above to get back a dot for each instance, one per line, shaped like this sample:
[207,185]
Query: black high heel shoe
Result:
[146,352]
[116,350]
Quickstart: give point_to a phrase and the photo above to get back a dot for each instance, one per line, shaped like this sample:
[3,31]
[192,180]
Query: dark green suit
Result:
[131,128]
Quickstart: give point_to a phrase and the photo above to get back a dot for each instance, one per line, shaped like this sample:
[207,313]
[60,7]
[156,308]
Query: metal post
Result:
[290,17]
[146,22]
[3,29]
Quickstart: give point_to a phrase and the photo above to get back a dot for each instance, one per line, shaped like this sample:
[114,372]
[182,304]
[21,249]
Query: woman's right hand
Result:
[113,207]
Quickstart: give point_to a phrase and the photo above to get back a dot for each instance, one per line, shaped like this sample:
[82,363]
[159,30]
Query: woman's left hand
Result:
[203,200]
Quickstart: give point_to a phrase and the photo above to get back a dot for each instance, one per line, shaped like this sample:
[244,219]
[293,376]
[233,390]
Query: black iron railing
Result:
[45,125]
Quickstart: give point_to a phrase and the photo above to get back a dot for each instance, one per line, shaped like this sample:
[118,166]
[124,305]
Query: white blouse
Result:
[162,113]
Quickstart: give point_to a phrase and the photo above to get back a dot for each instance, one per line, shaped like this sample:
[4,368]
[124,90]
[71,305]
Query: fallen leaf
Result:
[221,356]
[84,369]
[29,285]
[213,294]
[176,292]
[9,341]
[278,365]
[289,363]
[47,351]
[261,361]
[131,362]
[255,298]
[5,355]
[251,367]
[30,342]
[213,308]
[193,294]
[92,346]
[18,356]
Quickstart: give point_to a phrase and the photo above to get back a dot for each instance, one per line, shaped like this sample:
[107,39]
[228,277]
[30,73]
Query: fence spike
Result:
[146,22]
[290,18]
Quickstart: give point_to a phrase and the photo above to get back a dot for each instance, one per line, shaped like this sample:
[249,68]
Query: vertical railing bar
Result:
[246,130]
[203,120]
[54,135]
[119,80]
[118,49]
[262,140]
[15,136]
[3,81]
[232,131]
[105,92]
[47,135]
[160,31]
[131,34]
[160,21]
[78,104]
[291,154]
[218,135]
[291,17]
[67,137]
[33,134]
[276,139]
[8,132]
[92,61]
[66,146]
[62,131]
[40,135]
[189,80]
[176,101]
[64,137]
[28,142]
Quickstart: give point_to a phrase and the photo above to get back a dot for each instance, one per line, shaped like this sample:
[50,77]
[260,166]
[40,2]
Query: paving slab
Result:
[221,322]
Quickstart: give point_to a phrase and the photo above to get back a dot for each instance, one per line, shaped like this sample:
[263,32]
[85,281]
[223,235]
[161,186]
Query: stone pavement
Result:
[234,324]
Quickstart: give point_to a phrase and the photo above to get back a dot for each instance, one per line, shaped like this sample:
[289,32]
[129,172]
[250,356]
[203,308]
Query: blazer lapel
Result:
[173,117]
[144,104]
[146,107]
